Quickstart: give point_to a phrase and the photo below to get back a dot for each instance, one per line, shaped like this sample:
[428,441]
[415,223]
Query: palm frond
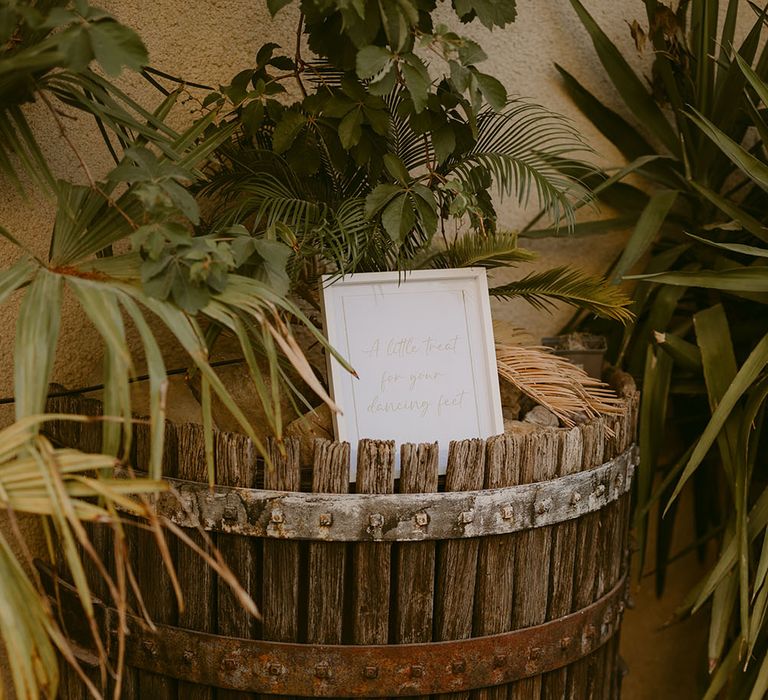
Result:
[523,147]
[553,382]
[490,251]
[542,289]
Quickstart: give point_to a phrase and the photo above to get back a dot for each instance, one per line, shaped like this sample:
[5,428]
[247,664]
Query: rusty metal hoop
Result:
[349,670]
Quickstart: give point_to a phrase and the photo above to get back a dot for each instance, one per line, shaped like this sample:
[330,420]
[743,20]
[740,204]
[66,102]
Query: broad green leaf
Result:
[287,129]
[275,6]
[398,218]
[379,198]
[350,129]
[645,232]
[490,12]
[372,60]
[396,168]
[37,333]
[494,92]
[115,46]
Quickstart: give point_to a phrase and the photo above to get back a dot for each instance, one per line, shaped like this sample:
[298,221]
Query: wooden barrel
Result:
[503,579]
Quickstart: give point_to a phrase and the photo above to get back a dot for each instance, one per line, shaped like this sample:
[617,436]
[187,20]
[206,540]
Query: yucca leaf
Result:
[646,230]
[735,212]
[736,279]
[751,166]
[745,377]
[614,127]
[653,411]
[685,354]
[723,602]
[541,289]
[630,87]
[719,363]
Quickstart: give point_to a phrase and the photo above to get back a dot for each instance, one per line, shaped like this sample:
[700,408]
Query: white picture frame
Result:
[422,345]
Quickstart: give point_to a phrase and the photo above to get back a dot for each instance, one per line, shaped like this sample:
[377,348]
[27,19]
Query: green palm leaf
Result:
[542,289]
[498,250]
[524,147]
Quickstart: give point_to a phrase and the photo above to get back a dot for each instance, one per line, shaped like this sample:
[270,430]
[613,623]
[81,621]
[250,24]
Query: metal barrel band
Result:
[318,670]
[396,517]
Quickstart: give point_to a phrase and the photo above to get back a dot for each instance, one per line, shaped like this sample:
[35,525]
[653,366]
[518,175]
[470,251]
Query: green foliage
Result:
[700,342]
[383,151]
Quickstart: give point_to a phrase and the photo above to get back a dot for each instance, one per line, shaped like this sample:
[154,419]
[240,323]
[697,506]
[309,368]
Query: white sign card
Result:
[422,346]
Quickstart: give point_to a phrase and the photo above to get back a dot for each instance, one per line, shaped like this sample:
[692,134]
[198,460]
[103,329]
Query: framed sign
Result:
[422,346]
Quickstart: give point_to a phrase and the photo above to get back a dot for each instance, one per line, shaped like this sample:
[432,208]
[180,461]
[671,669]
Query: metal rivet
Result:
[544,506]
[277,516]
[417,671]
[376,520]
[229,663]
[575,498]
[188,656]
[499,660]
[275,669]
[422,519]
[534,653]
[458,667]
[371,672]
[230,513]
[150,647]
[326,519]
[565,642]
[466,516]
[507,512]
[600,490]
[322,670]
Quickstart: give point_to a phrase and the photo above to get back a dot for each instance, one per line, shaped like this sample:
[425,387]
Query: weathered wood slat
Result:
[457,559]
[371,563]
[235,464]
[493,599]
[582,676]
[563,559]
[533,552]
[415,561]
[282,560]
[327,560]
[197,580]
[151,571]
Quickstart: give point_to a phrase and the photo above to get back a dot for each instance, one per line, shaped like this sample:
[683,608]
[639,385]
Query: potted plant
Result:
[361,174]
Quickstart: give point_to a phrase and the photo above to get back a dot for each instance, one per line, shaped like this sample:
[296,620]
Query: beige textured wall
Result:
[209,41]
